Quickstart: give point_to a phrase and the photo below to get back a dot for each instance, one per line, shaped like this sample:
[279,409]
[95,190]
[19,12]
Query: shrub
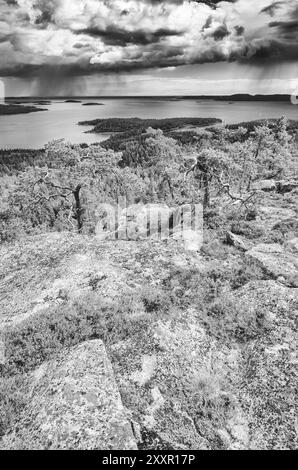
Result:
[228,318]
[39,338]
[11,228]
[247,229]
[213,218]
[201,286]
[288,225]
[12,400]
[155,300]
[215,249]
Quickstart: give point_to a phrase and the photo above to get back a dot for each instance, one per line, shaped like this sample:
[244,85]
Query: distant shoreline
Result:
[235,97]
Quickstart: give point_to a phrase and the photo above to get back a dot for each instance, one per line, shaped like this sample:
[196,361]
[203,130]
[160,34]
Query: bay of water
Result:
[34,130]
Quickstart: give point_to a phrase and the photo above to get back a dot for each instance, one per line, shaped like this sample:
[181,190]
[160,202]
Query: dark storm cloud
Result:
[11,2]
[120,37]
[221,32]
[285,26]
[208,23]
[214,3]
[79,45]
[80,37]
[239,30]
[274,51]
[211,3]
[46,10]
[273,8]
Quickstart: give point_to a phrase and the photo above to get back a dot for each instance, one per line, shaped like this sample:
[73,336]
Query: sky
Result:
[148,47]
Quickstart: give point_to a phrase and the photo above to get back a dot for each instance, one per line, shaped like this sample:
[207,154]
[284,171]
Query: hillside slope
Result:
[201,344]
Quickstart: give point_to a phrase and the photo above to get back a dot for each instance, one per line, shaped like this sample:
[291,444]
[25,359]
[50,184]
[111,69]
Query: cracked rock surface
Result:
[74,403]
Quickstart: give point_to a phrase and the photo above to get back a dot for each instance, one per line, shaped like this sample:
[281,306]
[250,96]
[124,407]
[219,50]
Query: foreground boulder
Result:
[268,371]
[75,404]
[276,262]
[236,241]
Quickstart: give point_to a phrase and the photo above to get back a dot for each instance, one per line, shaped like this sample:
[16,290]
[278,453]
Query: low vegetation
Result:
[152,303]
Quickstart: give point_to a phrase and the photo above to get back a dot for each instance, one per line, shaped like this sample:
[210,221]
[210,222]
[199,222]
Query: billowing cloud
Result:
[273,7]
[81,37]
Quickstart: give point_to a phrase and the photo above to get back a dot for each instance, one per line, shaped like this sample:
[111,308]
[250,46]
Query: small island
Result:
[42,102]
[9,109]
[72,101]
[92,104]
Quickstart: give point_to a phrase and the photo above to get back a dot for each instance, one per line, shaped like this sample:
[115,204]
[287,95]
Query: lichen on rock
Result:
[74,404]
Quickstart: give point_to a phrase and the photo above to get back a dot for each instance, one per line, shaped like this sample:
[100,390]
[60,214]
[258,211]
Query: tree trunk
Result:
[206,202]
[170,186]
[78,210]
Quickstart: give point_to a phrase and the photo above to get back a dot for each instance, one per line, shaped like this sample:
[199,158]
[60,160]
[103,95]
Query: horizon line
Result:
[150,96]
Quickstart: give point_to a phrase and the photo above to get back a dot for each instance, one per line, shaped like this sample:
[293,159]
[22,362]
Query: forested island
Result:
[93,104]
[7,109]
[250,126]
[246,97]
[28,101]
[140,125]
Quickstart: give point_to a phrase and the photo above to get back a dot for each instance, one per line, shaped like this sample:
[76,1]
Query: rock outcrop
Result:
[281,187]
[264,185]
[75,404]
[269,216]
[193,371]
[276,262]
[268,377]
[236,241]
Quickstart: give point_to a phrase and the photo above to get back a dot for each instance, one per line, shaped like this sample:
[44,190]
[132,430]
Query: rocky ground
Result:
[125,344]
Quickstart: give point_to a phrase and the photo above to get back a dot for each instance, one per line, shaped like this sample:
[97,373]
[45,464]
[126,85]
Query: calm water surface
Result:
[60,121]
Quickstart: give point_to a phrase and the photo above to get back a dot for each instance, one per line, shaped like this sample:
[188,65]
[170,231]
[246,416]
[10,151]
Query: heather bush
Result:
[249,230]
[37,339]
[229,318]
[13,391]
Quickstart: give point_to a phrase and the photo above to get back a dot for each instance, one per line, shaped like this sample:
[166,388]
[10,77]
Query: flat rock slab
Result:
[75,404]
[237,242]
[268,380]
[276,262]
[269,216]
[264,185]
[44,270]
